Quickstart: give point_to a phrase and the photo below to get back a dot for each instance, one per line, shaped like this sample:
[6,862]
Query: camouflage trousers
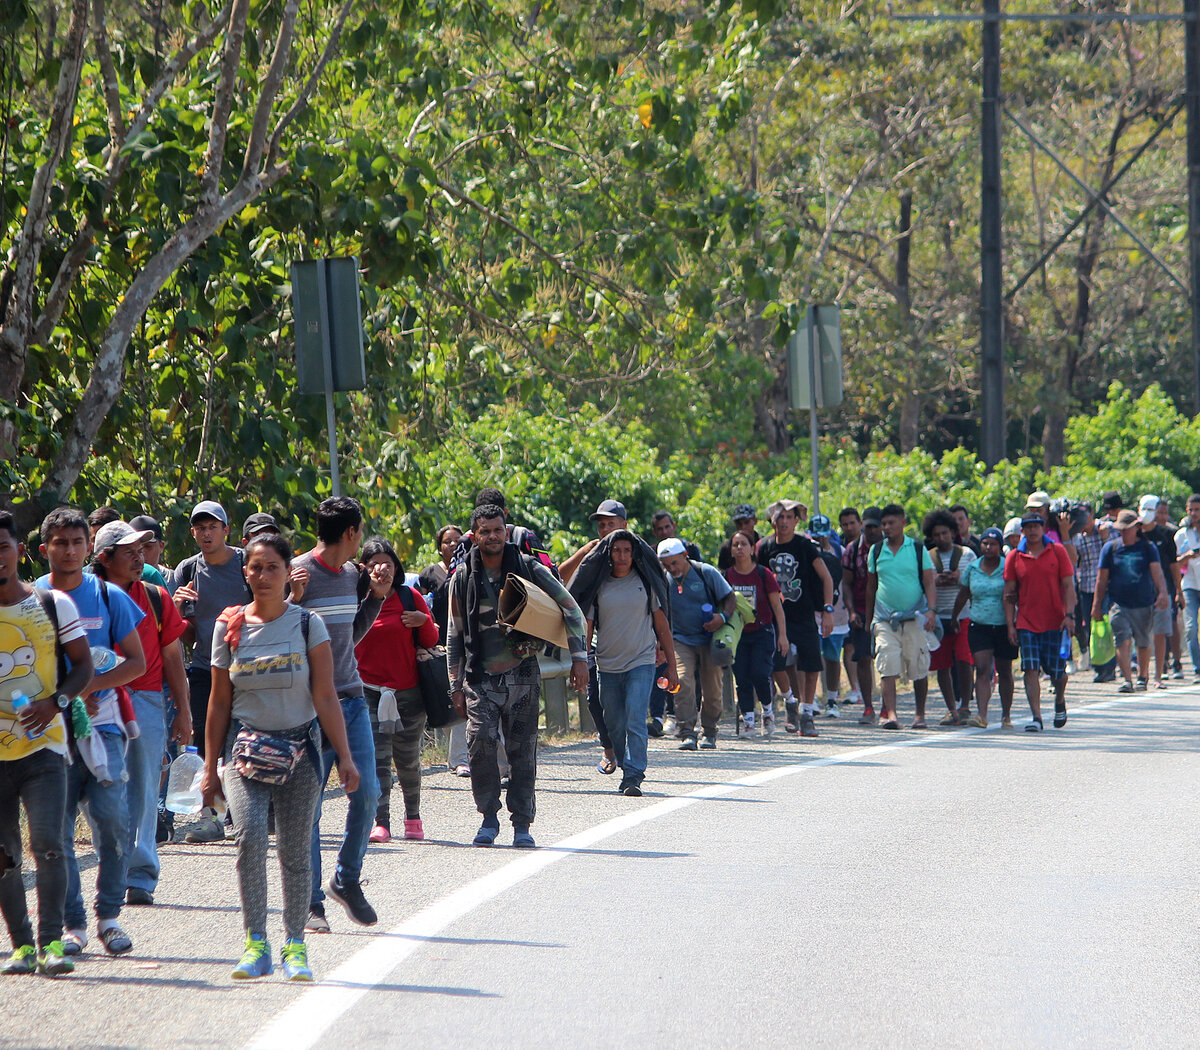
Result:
[510,701]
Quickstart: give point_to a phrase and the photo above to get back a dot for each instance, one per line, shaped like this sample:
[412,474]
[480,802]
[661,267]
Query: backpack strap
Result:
[873,557]
[45,598]
[305,620]
[955,557]
[154,595]
[405,594]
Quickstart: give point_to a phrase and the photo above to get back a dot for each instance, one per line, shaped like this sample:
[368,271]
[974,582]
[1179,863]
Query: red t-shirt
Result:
[756,585]
[154,638]
[386,655]
[1039,592]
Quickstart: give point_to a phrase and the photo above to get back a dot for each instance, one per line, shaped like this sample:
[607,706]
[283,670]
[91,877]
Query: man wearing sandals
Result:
[900,609]
[1039,604]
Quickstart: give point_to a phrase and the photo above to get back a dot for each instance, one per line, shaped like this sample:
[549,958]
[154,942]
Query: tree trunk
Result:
[910,421]
[772,411]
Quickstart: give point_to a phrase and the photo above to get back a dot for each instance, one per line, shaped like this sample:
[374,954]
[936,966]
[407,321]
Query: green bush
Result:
[1128,433]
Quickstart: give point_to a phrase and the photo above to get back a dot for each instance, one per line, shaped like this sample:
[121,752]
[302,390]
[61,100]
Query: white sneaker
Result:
[670,726]
[768,724]
[854,698]
[748,726]
[831,709]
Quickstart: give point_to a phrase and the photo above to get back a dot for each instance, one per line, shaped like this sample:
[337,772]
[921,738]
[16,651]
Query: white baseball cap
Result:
[1147,508]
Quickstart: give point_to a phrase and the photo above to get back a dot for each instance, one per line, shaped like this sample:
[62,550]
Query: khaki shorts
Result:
[901,652]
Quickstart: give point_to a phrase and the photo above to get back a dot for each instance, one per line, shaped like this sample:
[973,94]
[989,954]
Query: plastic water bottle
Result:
[20,702]
[1064,649]
[183,782]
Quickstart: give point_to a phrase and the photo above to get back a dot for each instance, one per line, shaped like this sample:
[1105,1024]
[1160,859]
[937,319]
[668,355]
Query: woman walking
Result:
[755,656]
[983,586]
[387,661]
[272,673]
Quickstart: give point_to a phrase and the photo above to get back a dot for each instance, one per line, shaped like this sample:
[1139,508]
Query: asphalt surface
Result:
[951,887]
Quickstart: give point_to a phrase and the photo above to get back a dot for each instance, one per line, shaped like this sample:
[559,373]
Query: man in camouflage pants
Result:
[494,678]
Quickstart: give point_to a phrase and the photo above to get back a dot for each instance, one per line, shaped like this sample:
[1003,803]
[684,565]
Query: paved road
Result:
[949,888]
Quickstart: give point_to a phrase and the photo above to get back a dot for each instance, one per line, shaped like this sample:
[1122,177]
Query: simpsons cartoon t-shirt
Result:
[29,665]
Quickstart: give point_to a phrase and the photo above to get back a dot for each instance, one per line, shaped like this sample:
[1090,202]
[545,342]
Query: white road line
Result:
[301,1025]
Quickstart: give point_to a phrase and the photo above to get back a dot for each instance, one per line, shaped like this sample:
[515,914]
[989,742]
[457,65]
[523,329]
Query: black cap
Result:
[257,523]
[145,523]
[1111,500]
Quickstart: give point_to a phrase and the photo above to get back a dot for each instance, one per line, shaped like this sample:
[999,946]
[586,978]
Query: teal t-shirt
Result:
[987,593]
[899,584]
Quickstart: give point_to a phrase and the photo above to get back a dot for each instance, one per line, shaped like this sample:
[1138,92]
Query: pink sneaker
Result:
[380,834]
[413,829]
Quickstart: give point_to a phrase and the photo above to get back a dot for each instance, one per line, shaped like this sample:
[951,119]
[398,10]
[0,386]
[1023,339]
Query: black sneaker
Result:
[793,717]
[689,743]
[654,728]
[807,726]
[164,829]
[632,790]
[709,743]
[350,896]
[135,895]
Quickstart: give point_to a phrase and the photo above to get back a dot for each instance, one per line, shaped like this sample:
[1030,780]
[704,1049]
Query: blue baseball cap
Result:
[820,525]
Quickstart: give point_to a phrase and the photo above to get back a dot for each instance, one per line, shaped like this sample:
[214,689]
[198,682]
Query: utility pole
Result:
[993,424]
[1191,47]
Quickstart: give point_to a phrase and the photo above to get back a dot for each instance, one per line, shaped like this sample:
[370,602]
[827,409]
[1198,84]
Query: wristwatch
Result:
[828,609]
[62,700]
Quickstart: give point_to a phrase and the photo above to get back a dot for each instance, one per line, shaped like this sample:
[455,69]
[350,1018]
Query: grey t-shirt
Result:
[625,636]
[217,588]
[269,672]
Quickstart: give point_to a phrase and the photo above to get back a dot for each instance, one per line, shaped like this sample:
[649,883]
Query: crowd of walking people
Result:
[277,666]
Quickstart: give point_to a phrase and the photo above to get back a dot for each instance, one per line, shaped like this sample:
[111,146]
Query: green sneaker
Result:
[52,962]
[295,961]
[256,960]
[23,960]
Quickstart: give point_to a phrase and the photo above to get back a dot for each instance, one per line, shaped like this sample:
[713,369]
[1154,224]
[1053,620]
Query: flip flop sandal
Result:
[919,724]
[607,766]
[1060,718]
[891,723]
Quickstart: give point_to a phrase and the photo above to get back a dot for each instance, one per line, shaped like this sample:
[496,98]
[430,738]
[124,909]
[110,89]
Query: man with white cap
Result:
[203,586]
[1163,539]
[119,560]
[703,603]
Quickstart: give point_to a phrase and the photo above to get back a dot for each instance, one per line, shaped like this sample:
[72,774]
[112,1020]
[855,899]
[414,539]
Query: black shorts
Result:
[803,634]
[986,637]
[860,643]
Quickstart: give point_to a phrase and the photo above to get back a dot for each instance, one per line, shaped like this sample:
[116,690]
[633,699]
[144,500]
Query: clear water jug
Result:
[183,782]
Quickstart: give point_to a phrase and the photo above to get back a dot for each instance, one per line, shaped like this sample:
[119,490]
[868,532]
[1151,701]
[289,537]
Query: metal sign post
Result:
[810,322]
[329,341]
[815,375]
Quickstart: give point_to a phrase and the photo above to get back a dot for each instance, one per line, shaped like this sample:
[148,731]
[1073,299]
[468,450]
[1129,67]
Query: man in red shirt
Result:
[119,560]
[1039,603]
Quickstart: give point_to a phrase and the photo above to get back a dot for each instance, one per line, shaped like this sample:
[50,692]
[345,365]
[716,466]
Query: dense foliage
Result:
[585,231]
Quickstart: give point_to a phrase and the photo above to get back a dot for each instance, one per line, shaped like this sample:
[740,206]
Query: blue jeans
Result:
[1191,621]
[752,664]
[361,815]
[144,762]
[625,697]
[108,815]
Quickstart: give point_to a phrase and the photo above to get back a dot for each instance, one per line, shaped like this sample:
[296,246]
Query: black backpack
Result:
[834,564]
